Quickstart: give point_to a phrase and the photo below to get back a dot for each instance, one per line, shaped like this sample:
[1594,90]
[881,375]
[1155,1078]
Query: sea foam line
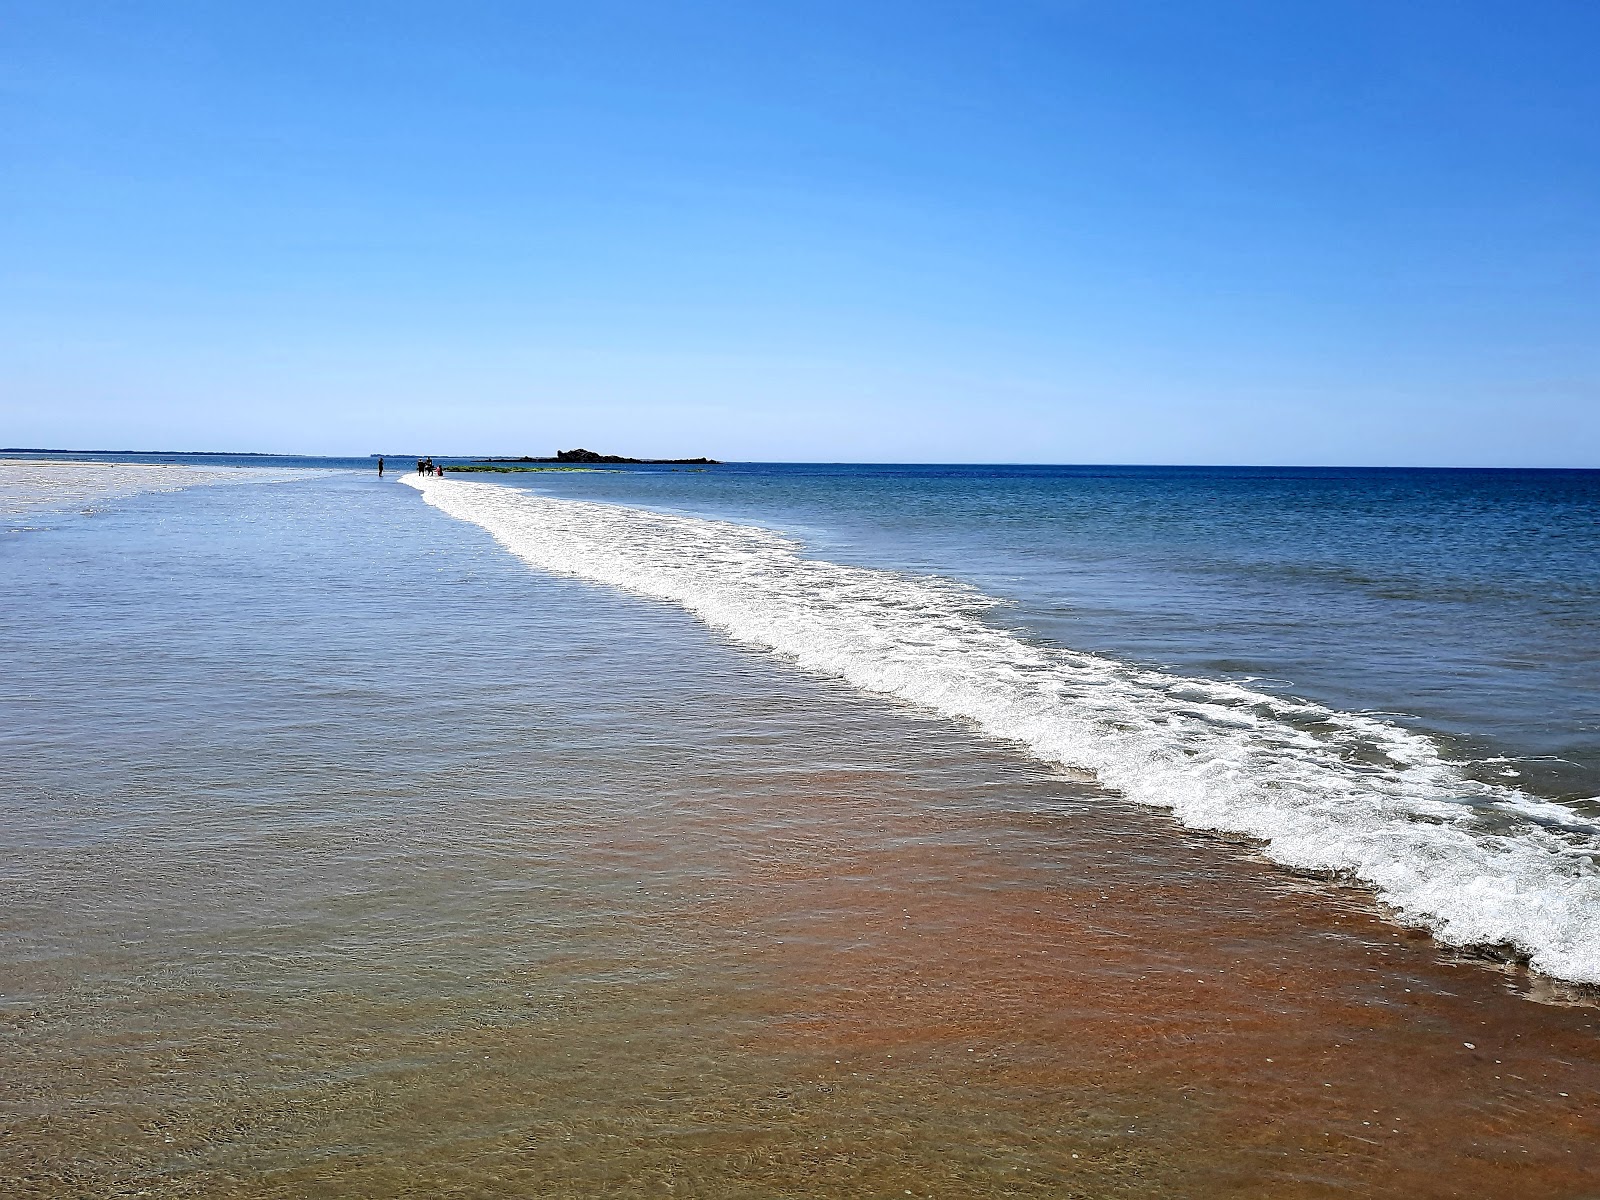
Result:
[1322,789]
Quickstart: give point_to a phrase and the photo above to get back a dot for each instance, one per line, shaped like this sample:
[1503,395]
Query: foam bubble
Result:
[1323,790]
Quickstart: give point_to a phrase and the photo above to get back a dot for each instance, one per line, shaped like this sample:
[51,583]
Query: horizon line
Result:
[837,462]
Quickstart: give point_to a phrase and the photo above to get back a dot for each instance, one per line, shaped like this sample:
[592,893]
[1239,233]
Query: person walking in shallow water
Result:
[380,466]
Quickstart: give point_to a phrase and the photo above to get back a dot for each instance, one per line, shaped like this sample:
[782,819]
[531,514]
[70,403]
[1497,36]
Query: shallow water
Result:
[346,855]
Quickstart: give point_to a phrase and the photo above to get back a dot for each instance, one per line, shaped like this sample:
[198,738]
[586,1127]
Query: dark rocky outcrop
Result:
[589,456]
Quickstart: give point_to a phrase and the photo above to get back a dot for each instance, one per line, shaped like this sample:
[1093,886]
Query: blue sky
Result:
[1090,231]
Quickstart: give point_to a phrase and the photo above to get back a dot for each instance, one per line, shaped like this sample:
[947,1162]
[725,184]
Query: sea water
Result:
[1462,603]
[1391,675]
[661,833]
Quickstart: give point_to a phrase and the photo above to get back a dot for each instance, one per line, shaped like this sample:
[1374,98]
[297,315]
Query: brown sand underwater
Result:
[828,987]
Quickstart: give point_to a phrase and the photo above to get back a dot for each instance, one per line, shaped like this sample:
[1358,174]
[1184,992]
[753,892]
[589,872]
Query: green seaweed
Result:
[449,470]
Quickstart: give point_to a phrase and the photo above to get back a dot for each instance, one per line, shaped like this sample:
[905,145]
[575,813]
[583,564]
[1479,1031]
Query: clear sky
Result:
[1279,231]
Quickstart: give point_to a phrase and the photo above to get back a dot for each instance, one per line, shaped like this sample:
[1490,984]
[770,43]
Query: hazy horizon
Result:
[505,455]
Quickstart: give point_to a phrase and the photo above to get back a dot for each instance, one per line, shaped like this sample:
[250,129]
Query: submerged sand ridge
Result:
[787,987]
[1058,969]
[31,484]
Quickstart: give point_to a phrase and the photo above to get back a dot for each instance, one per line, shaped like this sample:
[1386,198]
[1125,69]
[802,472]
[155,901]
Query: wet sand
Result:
[29,484]
[36,485]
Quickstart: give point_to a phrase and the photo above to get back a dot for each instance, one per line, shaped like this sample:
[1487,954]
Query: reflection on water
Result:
[347,857]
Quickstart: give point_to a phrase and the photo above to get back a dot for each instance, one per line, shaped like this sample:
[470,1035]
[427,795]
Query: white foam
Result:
[1323,790]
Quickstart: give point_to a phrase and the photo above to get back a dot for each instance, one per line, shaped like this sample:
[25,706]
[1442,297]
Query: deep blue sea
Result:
[1461,603]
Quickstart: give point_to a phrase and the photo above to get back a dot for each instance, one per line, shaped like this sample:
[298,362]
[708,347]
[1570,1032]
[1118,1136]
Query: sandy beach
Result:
[32,484]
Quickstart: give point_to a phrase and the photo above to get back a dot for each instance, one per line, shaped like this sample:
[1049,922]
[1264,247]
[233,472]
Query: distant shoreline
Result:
[589,457]
[1289,469]
[189,453]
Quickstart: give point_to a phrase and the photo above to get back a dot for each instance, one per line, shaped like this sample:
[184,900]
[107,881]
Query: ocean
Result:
[1390,674]
[1015,830]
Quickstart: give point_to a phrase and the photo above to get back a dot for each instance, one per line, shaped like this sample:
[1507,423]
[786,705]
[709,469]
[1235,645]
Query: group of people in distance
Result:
[425,466]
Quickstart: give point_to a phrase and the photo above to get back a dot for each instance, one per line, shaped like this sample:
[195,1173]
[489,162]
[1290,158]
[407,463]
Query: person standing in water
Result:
[380,466]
